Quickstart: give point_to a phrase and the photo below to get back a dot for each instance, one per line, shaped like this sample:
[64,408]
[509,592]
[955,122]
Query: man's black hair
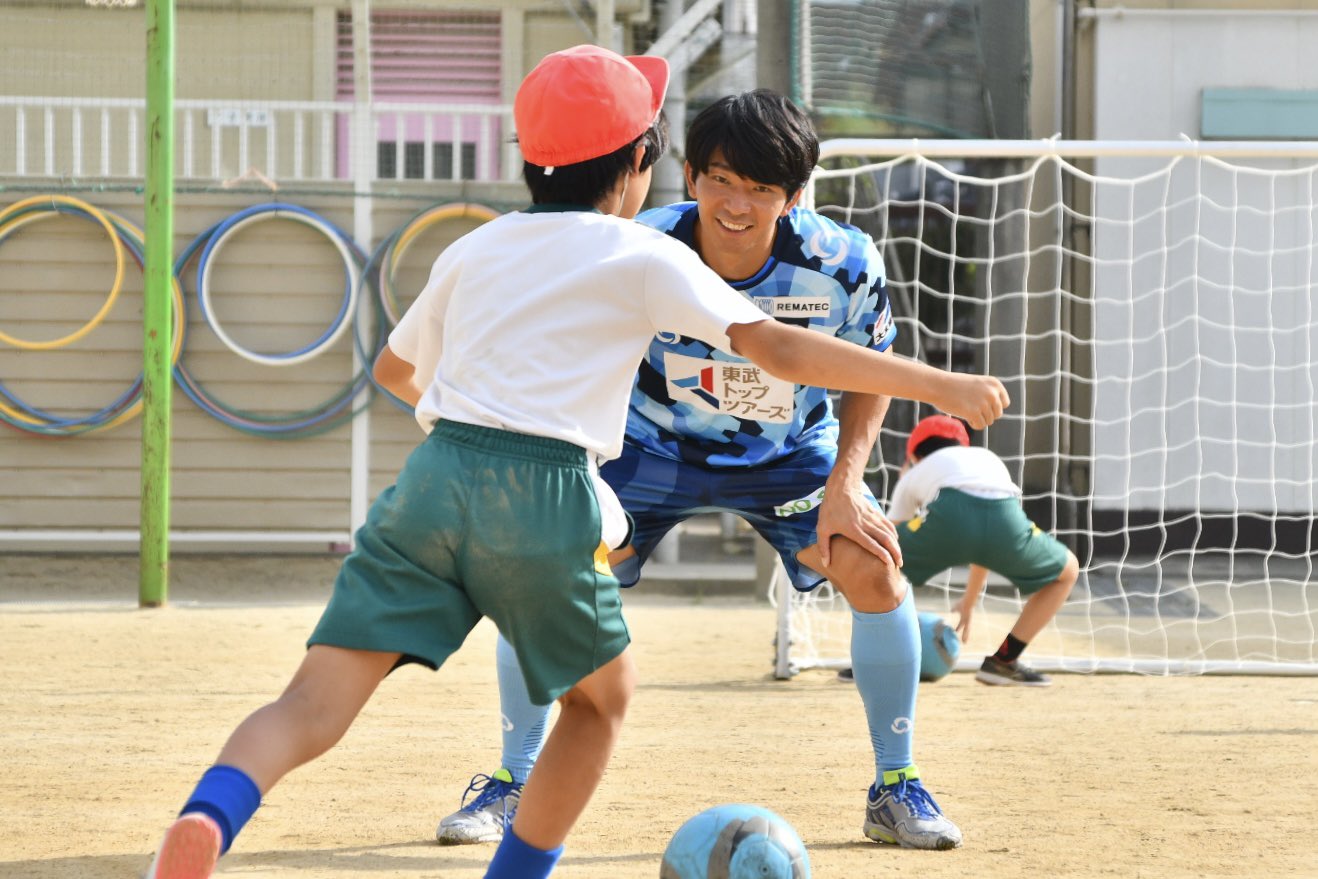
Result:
[585,183]
[763,136]
[933,444]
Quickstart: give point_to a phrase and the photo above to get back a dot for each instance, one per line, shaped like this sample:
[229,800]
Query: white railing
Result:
[284,141]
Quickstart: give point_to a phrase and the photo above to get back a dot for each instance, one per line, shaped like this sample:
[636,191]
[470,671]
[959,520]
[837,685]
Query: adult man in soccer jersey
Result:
[709,431]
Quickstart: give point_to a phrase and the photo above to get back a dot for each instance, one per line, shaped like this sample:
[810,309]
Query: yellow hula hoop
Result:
[417,225]
[9,224]
[179,326]
[132,411]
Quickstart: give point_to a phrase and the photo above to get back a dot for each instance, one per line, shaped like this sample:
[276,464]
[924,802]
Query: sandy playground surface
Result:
[108,714]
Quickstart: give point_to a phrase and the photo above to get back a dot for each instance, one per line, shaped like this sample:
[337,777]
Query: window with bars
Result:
[450,60]
[414,161]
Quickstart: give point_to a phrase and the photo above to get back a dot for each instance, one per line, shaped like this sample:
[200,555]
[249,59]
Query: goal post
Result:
[1150,308]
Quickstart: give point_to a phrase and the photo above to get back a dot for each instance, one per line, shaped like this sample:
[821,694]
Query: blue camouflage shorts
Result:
[779,499]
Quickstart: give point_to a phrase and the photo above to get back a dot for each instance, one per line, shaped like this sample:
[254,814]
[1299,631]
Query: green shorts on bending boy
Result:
[519,357]
[956,504]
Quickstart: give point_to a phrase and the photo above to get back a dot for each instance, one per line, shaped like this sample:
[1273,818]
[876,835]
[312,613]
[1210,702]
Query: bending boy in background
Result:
[956,504]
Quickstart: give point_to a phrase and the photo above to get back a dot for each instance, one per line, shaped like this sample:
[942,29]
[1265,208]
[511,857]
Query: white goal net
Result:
[1150,308]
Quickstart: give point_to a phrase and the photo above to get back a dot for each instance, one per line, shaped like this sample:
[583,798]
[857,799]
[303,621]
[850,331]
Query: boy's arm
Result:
[976,580]
[397,376]
[902,505]
[805,357]
[845,511]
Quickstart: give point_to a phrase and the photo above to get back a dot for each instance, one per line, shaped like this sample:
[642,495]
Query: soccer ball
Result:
[735,841]
[939,647]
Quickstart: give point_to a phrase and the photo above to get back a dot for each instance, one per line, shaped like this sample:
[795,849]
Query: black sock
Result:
[1010,650]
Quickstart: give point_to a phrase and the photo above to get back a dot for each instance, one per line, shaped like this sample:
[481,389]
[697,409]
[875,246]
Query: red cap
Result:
[586,102]
[936,425]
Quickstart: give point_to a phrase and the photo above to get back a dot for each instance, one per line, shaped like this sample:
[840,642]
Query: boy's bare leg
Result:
[325,695]
[1043,605]
[575,755]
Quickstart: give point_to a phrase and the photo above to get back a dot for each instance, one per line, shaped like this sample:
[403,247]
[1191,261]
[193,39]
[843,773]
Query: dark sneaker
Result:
[901,812]
[488,813]
[1010,674]
[846,676]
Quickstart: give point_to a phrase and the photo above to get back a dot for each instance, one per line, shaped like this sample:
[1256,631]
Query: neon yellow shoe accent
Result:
[908,773]
[503,775]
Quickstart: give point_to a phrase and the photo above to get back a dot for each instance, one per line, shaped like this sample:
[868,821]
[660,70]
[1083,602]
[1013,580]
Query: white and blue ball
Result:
[735,841]
[939,647]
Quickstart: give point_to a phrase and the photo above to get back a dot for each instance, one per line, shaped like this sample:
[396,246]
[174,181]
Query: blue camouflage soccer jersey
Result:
[694,403]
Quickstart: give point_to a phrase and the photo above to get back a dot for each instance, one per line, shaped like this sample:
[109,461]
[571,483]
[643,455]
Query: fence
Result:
[283,141]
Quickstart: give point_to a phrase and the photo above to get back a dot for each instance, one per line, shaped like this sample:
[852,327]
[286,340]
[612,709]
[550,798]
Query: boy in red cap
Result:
[518,357]
[707,431]
[956,504]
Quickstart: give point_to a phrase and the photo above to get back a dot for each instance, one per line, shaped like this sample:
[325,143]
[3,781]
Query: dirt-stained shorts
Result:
[962,529]
[484,522]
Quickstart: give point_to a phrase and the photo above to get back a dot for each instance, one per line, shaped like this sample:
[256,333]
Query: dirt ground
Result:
[108,713]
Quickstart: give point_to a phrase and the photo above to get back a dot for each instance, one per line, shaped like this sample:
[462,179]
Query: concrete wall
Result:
[239,49]
[277,285]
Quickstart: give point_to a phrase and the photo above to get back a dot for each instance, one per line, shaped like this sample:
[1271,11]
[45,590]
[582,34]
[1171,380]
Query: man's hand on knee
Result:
[851,514]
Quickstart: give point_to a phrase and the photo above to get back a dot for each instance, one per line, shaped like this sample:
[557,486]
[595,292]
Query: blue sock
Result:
[229,796]
[523,723]
[885,659]
[514,859]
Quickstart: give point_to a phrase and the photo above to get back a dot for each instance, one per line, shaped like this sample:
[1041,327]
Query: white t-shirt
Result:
[971,469]
[536,322]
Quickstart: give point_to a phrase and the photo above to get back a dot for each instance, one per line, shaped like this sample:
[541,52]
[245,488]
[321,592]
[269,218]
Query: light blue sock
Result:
[523,723]
[514,859]
[885,659]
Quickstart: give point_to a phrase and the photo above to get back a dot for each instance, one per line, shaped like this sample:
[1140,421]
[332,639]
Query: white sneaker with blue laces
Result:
[488,813]
[901,812]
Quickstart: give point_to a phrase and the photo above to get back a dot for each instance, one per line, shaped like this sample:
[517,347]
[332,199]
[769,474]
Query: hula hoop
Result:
[220,233]
[30,419]
[376,323]
[403,238]
[333,412]
[80,208]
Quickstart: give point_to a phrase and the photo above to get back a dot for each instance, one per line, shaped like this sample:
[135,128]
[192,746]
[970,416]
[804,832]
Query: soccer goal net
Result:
[1150,308]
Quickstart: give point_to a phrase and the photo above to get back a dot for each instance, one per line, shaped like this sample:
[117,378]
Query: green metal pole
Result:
[157,318]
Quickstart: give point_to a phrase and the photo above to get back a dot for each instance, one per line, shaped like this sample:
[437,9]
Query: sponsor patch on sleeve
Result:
[884,328]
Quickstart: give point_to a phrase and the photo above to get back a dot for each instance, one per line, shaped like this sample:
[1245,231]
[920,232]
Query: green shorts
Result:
[994,533]
[484,522]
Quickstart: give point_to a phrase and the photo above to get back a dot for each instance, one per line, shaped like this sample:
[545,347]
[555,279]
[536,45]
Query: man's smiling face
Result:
[738,217]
